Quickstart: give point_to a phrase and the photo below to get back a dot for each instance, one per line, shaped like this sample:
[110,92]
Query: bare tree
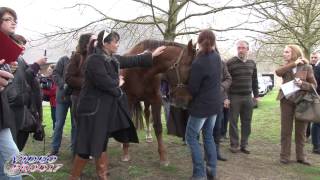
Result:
[290,21]
[169,23]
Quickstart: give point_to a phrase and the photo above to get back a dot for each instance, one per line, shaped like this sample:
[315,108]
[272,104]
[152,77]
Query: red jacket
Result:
[52,94]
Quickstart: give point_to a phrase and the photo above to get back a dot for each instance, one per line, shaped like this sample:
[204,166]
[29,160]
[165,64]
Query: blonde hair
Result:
[296,52]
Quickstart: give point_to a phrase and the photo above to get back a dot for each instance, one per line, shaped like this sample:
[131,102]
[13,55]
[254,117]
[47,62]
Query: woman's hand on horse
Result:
[158,51]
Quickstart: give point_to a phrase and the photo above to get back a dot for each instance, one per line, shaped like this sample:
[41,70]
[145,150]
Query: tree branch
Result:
[154,18]
[151,5]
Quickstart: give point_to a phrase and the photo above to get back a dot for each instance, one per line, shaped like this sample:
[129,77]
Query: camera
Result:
[46,83]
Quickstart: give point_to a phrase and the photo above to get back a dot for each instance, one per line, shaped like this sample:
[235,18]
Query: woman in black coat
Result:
[103,107]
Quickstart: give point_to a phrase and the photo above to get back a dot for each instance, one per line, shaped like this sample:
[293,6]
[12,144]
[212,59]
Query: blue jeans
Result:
[315,135]
[192,133]
[61,114]
[7,149]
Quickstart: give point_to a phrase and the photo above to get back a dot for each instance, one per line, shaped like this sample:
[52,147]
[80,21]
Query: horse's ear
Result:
[190,46]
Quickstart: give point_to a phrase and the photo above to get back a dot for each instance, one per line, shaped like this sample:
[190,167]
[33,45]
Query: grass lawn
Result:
[262,163]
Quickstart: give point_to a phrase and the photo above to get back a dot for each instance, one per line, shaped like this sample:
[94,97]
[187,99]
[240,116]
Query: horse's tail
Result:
[137,115]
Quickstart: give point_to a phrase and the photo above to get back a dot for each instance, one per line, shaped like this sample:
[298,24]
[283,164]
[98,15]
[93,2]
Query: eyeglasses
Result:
[10,19]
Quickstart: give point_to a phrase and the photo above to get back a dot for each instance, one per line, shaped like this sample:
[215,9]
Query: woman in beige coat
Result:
[296,68]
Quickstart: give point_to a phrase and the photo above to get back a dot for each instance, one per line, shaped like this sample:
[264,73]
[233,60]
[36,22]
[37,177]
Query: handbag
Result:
[308,107]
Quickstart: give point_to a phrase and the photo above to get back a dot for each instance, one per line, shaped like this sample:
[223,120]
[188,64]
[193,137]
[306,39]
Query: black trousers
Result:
[22,138]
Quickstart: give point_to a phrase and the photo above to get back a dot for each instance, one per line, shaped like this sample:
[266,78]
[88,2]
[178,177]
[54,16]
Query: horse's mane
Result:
[153,44]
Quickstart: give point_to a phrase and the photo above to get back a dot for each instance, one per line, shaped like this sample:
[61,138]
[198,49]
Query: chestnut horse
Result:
[143,84]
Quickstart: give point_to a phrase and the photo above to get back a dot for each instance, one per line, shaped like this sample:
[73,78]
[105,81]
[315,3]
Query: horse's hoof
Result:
[164,163]
[149,139]
[125,158]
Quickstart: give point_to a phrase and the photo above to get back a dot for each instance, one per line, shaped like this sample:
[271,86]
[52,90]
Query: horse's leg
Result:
[147,118]
[157,125]
[125,146]
[125,154]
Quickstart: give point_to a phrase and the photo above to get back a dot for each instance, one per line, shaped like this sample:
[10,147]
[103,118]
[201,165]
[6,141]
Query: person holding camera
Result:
[62,107]
[49,89]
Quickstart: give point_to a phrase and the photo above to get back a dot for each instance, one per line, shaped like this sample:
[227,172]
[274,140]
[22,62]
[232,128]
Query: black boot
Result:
[219,157]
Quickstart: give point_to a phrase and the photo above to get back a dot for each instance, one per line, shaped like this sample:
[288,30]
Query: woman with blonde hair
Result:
[296,68]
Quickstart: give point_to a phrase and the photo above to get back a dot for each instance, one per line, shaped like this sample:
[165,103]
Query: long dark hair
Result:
[108,38]
[82,49]
[83,42]
[207,41]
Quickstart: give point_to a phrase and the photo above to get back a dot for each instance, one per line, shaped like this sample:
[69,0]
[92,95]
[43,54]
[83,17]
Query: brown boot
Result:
[102,166]
[78,165]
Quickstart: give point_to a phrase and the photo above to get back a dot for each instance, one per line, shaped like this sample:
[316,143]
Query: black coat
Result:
[103,110]
[6,118]
[58,75]
[316,70]
[204,85]
[24,94]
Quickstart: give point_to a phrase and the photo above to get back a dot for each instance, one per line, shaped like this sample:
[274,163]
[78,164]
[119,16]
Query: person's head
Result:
[242,49]
[83,43]
[50,70]
[108,41]
[19,39]
[8,20]
[292,52]
[207,41]
[314,57]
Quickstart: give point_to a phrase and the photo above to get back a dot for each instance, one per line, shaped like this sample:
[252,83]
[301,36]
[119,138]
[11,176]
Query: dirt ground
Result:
[261,164]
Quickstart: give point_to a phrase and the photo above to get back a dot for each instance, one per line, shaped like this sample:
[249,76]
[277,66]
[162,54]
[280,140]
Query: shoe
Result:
[209,174]
[304,162]
[244,150]
[220,158]
[284,161]
[316,151]
[234,149]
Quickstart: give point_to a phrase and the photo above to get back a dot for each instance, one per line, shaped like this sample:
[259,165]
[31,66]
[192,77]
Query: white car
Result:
[263,87]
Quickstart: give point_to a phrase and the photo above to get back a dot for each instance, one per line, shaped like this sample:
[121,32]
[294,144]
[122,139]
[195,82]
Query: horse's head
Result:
[177,74]
[174,64]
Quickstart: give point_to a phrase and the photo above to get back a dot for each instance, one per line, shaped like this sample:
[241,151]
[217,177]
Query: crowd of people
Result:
[89,83]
